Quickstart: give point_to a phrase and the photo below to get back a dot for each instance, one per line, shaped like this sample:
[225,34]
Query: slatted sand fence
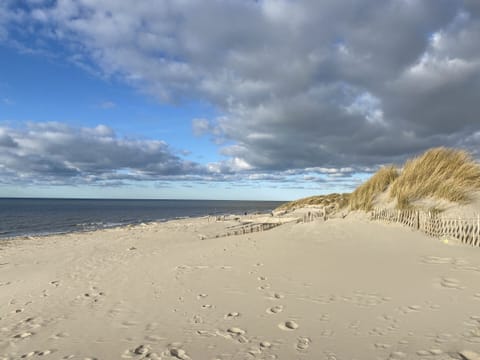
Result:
[467,230]
[314,215]
[254,227]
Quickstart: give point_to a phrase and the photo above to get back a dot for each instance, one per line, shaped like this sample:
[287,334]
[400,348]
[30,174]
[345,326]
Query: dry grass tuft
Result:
[335,200]
[363,196]
[439,173]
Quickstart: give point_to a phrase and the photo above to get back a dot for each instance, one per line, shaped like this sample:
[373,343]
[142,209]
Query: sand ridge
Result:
[336,289]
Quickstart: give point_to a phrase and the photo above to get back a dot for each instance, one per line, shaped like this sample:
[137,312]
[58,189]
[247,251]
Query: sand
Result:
[336,289]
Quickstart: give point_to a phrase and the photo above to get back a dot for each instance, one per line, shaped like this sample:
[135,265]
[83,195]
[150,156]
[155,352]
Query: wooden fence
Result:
[313,215]
[434,224]
[250,228]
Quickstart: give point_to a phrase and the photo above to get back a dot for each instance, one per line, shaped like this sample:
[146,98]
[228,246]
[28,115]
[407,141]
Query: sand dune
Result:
[336,289]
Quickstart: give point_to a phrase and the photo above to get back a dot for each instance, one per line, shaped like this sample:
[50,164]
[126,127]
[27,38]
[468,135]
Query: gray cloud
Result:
[57,154]
[45,152]
[299,84]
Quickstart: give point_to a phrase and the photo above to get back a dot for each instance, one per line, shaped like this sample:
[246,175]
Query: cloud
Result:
[57,154]
[298,84]
[46,152]
[107,105]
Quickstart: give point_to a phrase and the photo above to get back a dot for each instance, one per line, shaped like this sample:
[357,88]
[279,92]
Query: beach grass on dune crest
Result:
[337,200]
[440,173]
[363,196]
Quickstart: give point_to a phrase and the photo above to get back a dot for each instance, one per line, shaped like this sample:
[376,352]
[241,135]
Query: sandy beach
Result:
[337,289]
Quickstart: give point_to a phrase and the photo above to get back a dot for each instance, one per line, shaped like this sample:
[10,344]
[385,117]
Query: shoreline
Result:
[120,226]
[40,217]
[336,289]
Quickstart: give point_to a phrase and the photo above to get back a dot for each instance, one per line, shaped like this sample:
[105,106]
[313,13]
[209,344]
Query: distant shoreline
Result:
[24,218]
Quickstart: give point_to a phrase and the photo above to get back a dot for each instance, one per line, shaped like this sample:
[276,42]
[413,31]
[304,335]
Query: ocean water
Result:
[30,217]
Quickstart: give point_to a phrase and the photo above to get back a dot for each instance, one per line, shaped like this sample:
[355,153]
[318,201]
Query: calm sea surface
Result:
[26,217]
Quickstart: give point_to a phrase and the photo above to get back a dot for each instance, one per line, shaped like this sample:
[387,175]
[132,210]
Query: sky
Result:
[229,99]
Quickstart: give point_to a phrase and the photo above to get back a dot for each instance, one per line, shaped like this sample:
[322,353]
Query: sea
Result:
[37,217]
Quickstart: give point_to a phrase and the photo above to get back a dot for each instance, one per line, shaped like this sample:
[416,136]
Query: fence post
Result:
[478,230]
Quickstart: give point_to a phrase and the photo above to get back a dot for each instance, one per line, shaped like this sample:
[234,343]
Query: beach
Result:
[344,288]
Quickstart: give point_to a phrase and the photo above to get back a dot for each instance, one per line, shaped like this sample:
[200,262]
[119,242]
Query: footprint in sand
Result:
[60,335]
[276,296]
[143,350]
[265,345]
[262,278]
[450,283]
[236,331]
[23,335]
[46,352]
[289,325]
[275,309]
[236,334]
[430,352]
[303,343]
[129,323]
[264,287]
[179,353]
[232,315]
[397,355]
[28,355]
[469,355]
[154,338]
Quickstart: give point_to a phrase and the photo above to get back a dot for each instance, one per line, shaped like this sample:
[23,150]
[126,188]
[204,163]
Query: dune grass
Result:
[439,173]
[364,195]
[337,200]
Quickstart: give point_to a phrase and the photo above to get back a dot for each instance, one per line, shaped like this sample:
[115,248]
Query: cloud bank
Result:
[56,154]
[300,84]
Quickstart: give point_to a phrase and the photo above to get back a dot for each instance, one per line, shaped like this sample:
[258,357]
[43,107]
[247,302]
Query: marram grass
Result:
[338,200]
[440,173]
[364,195]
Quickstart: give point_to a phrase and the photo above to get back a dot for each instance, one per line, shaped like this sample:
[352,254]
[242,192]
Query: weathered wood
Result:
[433,224]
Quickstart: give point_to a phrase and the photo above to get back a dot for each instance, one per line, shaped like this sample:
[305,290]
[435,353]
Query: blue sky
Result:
[229,99]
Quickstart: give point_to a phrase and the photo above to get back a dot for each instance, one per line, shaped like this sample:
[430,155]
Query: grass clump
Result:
[439,173]
[364,195]
[337,200]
